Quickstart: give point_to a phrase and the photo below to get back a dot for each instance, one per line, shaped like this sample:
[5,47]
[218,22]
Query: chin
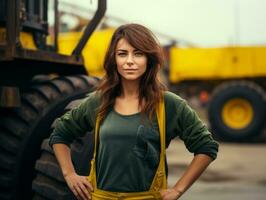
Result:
[131,77]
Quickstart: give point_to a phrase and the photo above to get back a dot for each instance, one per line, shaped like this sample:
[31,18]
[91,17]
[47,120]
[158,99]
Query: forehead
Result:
[124,44]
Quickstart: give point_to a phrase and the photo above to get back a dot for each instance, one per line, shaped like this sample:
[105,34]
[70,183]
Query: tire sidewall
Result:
[243,92]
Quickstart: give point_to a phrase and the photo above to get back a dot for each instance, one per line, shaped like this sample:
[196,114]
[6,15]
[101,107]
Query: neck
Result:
[130,89]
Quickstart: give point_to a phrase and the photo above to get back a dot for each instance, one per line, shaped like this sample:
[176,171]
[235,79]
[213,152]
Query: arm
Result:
[198,140]
[71,125]
[199,163]
[79,185]
[75,123]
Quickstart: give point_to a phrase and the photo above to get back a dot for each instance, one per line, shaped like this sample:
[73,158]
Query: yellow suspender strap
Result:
[159,180]
[92,175]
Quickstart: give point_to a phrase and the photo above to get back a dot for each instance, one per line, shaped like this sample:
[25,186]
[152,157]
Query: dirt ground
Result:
[238,173]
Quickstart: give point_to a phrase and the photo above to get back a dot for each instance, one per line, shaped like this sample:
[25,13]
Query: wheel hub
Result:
[237,113]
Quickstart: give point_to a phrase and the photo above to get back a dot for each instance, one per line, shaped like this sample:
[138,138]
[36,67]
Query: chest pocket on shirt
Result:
[147,145]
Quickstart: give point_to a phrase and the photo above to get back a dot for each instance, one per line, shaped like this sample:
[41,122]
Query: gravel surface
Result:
[237,173]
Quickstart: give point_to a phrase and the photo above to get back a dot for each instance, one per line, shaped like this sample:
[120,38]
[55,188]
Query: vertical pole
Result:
[56,24]
[11,27]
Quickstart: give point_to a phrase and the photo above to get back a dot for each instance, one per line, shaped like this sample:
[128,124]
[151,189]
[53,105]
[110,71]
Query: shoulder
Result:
[173,104]
[93,97]
[172,98]
[91,100]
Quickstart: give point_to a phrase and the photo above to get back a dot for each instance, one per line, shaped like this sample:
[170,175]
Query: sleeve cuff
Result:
[56,140]
[210,150]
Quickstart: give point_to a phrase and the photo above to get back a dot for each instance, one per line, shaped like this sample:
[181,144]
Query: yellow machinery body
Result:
[26,39]
[217,63]
[93,52]
[234,78]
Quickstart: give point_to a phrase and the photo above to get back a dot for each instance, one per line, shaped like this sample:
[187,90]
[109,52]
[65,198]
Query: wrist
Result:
[67,172]
[178,191]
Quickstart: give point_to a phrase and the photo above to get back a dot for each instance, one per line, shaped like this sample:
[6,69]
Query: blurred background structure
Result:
[215,58]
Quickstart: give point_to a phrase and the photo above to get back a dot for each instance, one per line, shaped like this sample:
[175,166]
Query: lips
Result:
[130,70]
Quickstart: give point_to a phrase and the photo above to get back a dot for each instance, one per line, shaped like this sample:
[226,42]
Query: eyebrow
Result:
[123,50]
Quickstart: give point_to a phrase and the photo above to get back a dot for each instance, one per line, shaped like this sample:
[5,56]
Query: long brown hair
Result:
[150,89]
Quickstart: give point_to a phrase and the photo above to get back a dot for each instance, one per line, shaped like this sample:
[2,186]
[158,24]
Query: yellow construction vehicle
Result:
[36,84]
[93,52]
[234,79]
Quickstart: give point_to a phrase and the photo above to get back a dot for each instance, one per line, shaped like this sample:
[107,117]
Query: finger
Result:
[163,191]
[88,184]
[76,195]
[162,194]
[169,196]
[74,191]
[165,197]
[84,190]
[79,191]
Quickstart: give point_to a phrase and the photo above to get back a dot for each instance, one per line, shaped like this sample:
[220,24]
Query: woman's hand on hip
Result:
[170,194]
[79,185]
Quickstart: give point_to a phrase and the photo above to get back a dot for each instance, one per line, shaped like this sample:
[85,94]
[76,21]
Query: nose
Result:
[129,60]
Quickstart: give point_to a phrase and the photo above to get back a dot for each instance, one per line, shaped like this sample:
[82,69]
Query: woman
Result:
[129,160]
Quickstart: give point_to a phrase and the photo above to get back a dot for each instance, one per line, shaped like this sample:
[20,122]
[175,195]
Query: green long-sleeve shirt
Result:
[129,146]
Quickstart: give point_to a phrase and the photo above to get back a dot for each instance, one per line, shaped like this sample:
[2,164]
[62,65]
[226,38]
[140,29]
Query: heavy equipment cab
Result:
[23,42]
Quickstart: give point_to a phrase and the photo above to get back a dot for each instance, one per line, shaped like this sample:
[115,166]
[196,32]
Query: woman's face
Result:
[131,63]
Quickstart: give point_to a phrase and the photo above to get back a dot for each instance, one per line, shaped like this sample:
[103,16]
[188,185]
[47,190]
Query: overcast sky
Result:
[202,22]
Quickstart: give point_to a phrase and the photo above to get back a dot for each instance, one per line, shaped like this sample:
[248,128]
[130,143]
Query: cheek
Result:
[143,69]
[119,68]
[143,65]
[145,61]
[119,62]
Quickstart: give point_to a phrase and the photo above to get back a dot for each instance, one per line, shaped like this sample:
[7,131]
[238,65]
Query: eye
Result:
[122,54]
[139,53]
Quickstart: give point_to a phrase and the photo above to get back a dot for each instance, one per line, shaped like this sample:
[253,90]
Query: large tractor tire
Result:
[22,131]
[237,111]
[49,182]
